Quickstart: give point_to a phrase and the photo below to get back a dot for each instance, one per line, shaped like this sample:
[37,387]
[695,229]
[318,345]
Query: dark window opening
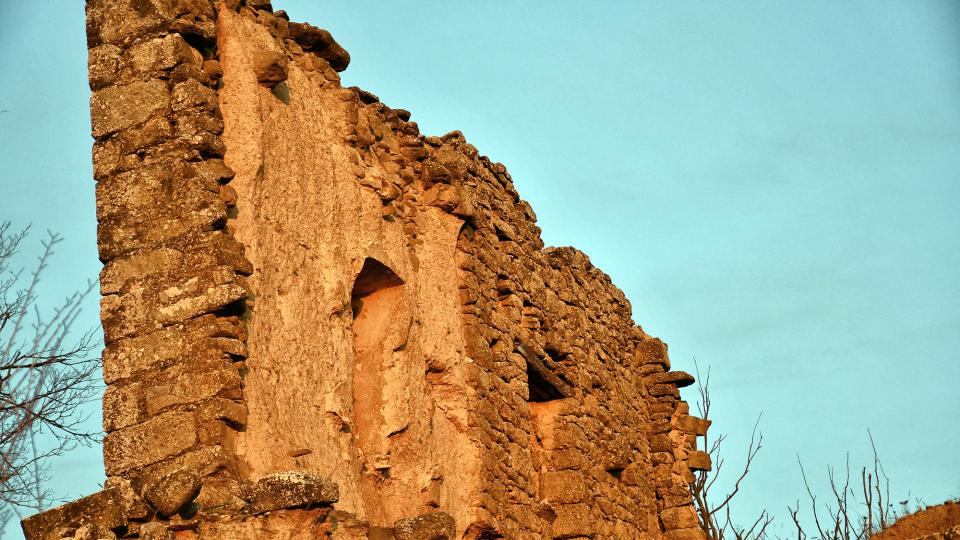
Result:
[544,384]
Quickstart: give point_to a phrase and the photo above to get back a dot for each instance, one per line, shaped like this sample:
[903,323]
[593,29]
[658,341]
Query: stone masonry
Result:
[320,323]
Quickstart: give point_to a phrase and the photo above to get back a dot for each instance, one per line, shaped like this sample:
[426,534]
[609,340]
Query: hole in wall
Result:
[541,390]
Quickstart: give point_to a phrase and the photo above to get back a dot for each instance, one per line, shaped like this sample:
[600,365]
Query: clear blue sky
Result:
[775,185]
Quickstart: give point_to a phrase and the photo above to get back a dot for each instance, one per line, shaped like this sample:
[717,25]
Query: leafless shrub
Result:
[713,513]
[852,512]
[45,375]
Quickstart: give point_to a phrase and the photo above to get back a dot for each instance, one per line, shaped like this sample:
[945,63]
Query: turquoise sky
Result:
[775,185]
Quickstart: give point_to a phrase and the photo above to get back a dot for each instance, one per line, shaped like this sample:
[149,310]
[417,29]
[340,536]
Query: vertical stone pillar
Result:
[173,282]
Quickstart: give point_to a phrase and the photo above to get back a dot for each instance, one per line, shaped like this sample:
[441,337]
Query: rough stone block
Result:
[699,461]
[191,388]
[103,508]
[122,406]
[270,67]
[124,21]
[103,65]
[116,236]
[291,489]
[118,107]
[573,520]
[173,491]
[562,487]
[683,517]
[685,534]
[94,532]
[198,341]
[134,507]
[432,526]
[191,94]
[652,351]
[678,378]
[204,461]
[160,54]
[319,41]
[155,531]
[156,190]
[692,424]
[147,309]
[150,442]
[658,390]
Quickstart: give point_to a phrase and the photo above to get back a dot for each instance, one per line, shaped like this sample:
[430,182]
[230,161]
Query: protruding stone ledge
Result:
[679,378]
[104,508]
[291,489]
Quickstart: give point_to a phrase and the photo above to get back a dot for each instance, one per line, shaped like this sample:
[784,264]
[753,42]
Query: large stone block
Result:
[124,21]
[197,341]
[104,508]
[118,107]
[562,487]
[683,517]
[161,53]
[161,303]
[156,439]
[291,489]
[192,388]
[116,236]
[161,189]
[173,491]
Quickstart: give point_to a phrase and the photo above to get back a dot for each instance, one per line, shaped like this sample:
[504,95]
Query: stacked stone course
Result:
[564,416]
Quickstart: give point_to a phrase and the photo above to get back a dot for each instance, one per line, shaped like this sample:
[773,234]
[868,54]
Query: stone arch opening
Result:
[380,326]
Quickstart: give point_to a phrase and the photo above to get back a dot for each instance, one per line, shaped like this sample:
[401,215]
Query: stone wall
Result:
[320,322]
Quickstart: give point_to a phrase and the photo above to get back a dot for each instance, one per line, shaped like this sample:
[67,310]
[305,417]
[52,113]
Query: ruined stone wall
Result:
[320,322]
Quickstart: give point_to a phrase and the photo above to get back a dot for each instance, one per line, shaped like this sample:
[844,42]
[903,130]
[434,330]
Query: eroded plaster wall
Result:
[358,409]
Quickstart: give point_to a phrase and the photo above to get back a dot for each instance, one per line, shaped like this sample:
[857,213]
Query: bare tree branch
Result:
[714,515]
[46,373]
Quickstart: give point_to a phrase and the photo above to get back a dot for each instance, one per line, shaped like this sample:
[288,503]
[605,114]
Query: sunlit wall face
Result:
[774,185]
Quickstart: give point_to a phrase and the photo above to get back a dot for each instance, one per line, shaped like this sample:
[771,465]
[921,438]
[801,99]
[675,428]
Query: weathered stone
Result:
[692,533]
[191,387]
[104,65]
[270,67]
[291,489]
[103,508]
[134,507]
[143,444]
[562,487]
[692,424]
[699,461]
[200,340]
[117,107]
[122,406]
[160,54]
[678,378]
[432,526]
[319,41]
[573,520]
[155,531]
[682,517]
[94,532]
[191,94]
[150,308]
[173,491]
[121,22]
